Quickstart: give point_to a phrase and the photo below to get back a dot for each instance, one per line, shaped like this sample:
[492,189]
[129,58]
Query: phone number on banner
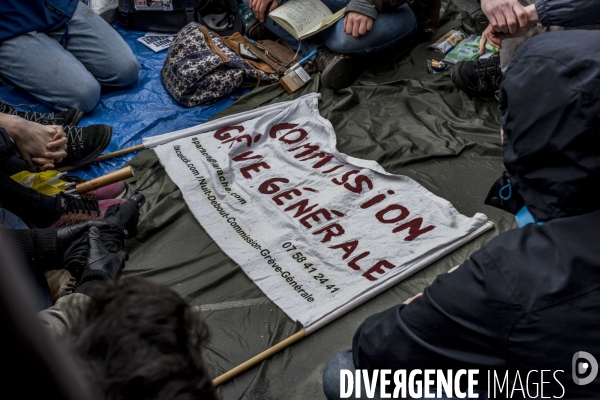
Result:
[300,258]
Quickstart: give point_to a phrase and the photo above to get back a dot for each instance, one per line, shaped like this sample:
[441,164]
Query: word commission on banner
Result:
[313,228]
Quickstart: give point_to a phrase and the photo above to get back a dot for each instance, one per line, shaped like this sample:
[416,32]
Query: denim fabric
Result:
[331,378]
[390,29]
[9,220]
[70,78]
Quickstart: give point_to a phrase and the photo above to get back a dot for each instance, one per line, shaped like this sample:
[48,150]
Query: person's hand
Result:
[259,7]
[100,259]
[39,145]
[58,144]
[495,38]
[489,36]
[505,16]
[408,301]
[357,24]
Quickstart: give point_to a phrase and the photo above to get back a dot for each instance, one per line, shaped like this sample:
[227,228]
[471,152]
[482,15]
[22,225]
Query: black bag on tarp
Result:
[157,15]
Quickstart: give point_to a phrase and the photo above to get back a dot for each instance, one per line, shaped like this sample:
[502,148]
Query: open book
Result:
[304,18]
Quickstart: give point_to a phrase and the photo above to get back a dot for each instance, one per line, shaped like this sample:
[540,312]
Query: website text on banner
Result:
[318,231]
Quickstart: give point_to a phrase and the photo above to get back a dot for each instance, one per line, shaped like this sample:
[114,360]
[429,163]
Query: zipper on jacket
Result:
[56,10]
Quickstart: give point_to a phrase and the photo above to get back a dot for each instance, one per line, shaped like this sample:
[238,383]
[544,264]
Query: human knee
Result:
[345,44]
[84,96]
[331,373]
[127,71]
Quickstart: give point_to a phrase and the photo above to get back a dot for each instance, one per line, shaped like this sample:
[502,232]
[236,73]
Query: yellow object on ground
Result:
[47,182]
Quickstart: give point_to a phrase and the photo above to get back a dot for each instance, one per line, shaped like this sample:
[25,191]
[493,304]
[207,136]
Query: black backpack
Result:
[172,15]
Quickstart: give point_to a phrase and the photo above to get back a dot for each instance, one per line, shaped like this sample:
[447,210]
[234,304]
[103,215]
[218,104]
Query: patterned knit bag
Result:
[200,69]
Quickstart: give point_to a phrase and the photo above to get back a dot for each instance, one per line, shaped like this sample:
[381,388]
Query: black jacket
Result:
[530,298]
[568,12]
[7,147]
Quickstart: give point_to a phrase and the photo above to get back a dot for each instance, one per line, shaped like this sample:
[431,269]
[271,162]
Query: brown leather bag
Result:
[279,57]
[273,57]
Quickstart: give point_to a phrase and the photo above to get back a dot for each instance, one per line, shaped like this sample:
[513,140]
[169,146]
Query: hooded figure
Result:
[526,307]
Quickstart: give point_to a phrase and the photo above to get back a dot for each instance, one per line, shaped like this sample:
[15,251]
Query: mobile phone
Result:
[246,53]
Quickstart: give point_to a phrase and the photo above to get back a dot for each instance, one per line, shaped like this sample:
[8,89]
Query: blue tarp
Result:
[143,110]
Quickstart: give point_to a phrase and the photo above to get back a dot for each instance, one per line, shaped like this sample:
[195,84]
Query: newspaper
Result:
[157,41]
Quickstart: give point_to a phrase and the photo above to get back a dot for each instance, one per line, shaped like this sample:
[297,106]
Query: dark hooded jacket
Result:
[529,300]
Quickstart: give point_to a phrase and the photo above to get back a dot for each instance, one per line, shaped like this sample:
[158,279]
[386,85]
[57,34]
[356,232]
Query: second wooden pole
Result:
[259,358]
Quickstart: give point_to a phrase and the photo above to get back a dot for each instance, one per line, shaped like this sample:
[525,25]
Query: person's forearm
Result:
[365,7]
[532,15]
[8,122]
[570,13]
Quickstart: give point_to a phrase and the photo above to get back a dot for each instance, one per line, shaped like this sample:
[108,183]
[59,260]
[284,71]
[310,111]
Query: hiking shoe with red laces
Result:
[75,211]
[64,118]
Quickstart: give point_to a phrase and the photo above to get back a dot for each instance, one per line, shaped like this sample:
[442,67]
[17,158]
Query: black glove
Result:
[126,216]
[101,264]
[120,222]
[66,236]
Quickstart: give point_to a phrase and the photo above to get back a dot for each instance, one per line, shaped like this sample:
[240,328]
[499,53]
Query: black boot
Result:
[479,78]
[338,71]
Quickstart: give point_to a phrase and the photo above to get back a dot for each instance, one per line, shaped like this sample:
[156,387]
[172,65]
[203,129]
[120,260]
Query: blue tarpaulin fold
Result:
[142,110]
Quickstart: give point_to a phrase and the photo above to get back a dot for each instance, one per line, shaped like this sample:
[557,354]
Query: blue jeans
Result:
[331,378]
[390,29]
[70,78]
[9,220]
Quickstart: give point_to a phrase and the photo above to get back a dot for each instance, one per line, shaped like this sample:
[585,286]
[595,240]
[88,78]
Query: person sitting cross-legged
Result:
[369,27]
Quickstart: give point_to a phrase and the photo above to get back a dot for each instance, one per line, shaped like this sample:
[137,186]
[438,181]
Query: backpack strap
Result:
[189,10]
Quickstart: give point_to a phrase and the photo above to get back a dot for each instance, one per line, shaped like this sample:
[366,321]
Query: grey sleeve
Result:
[60,318]
[568,12]
[365,7]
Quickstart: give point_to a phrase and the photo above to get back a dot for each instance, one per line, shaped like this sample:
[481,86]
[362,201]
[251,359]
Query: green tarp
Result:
[412,123]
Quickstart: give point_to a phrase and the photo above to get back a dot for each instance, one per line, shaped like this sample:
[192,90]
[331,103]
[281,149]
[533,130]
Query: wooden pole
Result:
[259,358]
[119,153]
[106,157]
[105,180]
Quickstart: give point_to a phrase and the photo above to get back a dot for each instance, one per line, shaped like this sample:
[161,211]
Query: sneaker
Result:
[113,191]
[61,283]
[64,118]
[338,71]
[75,211]
[85,144]
[479,78]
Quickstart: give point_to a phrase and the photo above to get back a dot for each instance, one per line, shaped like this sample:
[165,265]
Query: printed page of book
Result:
[326,23]
[300,15]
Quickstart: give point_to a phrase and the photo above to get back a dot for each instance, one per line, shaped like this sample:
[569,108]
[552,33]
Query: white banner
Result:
[318,231]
